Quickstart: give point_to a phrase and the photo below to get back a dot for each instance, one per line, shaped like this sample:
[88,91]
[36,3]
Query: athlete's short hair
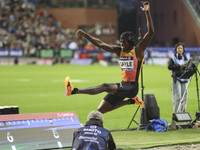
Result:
[129,36]
[95,115]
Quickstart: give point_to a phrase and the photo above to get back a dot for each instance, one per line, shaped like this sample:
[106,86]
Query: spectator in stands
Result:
[89,46]
[73,45]
[93,135]
[176,64]
[26,25]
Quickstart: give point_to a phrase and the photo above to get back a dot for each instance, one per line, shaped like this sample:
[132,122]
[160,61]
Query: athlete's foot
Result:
[138,101]
[68,86]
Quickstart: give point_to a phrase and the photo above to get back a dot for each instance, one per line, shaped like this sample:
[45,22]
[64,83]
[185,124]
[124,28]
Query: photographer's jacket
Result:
[176,69]
[93,137]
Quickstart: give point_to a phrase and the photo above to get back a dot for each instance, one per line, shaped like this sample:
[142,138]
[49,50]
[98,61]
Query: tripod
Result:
[142,90]
[189,73]
[197,88]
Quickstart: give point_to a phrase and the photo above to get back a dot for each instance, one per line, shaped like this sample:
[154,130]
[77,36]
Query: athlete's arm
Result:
[140,47]
[97,42]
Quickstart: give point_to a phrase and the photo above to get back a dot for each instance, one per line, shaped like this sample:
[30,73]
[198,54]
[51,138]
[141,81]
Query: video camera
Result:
[189,68]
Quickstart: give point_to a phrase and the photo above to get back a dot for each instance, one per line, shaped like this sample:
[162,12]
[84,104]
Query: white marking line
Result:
[78,81]
[23,80]
[13,147]
[73,81]
[55,80]
[59,144]
[43,95]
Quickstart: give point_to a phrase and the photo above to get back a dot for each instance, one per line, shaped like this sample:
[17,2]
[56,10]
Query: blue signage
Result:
[16,53]
[11,53]
[4,52]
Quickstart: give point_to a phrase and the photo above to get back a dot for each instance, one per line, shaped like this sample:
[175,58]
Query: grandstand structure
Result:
[45,30]
[174,21]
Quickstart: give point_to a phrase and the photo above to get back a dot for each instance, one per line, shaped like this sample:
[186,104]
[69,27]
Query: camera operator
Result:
[176,66]
[93,136]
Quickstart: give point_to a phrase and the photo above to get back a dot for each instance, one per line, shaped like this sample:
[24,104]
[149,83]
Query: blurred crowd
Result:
[22,27]
[75,3]
[196,5]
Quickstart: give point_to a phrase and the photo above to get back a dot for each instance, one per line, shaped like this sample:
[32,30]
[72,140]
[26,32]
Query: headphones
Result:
[178,44]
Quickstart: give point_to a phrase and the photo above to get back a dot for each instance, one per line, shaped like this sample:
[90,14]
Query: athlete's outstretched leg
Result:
[105,87]
[136,101]
[105,106]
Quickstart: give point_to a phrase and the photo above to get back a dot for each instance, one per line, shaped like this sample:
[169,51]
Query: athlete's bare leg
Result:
[105,107]
[105,87]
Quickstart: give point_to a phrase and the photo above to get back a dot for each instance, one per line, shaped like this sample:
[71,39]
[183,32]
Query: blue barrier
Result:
[167,52]
[16,53]
[4,52]
[156,52]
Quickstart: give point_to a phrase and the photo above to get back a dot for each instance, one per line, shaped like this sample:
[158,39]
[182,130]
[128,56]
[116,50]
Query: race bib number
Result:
[126,63]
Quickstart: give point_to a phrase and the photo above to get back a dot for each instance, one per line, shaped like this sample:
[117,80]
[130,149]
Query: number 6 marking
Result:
[10,137]
[55,133]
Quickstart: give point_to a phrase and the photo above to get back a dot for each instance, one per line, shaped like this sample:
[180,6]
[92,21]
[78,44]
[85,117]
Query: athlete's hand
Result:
[146,6]
[80,33]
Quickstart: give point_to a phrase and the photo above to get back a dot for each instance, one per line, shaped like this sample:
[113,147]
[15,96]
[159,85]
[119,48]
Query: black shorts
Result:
[125,90]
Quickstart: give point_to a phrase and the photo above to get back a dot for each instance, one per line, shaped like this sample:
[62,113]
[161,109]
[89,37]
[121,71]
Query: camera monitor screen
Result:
[37,131]
[190,69]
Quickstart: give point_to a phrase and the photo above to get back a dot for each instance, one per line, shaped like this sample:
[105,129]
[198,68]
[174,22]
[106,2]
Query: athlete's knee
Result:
[102,110]
[110,88]
[105,86]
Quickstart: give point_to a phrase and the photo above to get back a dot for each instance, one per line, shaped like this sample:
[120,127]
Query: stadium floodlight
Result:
[182,117]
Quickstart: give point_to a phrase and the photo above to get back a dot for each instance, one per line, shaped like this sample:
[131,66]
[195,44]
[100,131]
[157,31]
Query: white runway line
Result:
[23,80]
[73,81]
[43,95]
